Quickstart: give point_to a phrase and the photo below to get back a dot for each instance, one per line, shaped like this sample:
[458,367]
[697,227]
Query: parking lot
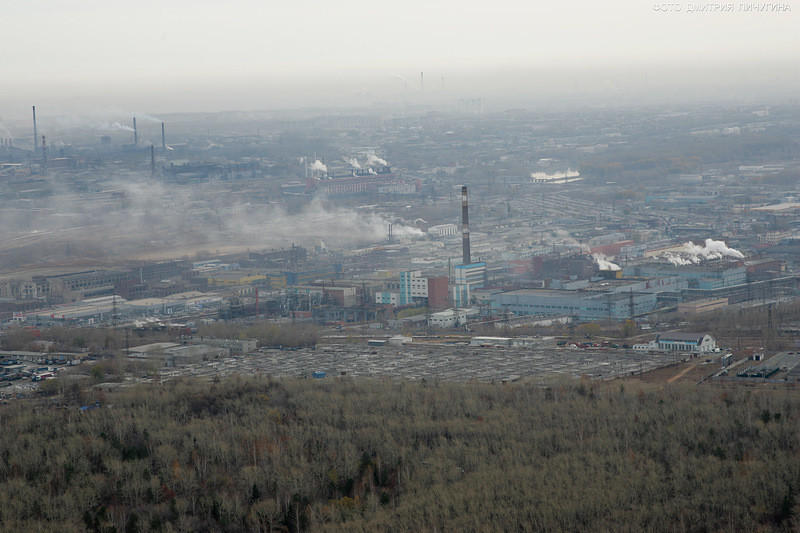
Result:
[442,362]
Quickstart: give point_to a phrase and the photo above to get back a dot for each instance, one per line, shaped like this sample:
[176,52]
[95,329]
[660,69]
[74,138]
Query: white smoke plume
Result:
[693,254]
[372,171]
[4,131]
[564,239]
[720,249]
[604,264]
[145,218]
[334,225]
[406,83]
[353,162]
[318,165]
[372,159]
[676,259]
[145,117]
[116,126]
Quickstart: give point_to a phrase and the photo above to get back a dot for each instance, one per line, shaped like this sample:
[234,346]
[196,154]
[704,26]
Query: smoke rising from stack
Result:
[604,264]
[158,220]
[116,126]
[145,117]
[564,239]
[372,159]
[318,165]
[465,253]
[692,254]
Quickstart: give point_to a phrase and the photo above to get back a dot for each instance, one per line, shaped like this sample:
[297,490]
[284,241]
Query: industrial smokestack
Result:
[421,82]
[35,135]
[163,139]
[135,133]
[465,227]
[152,160]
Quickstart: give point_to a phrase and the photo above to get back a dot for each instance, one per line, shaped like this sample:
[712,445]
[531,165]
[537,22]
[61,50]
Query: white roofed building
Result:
[686,342]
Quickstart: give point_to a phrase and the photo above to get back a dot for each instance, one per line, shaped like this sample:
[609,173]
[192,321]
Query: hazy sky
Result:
[225,54]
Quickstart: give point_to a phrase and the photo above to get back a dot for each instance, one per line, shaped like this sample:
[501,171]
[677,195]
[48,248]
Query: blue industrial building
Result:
[713,275]
[582,305]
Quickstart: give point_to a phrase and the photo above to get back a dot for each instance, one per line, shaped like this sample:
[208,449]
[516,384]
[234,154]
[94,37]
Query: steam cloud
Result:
[604,264]
[372,159]
[116,126]
[319,165]
[691,254]
[144,218]
[563,238]
[145,117]
[353,162]
[335,225]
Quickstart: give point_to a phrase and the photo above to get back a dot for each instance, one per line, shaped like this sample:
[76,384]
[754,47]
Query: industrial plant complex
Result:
[158,225]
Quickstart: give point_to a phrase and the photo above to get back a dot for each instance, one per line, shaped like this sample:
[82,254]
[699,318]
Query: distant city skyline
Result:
[207,56]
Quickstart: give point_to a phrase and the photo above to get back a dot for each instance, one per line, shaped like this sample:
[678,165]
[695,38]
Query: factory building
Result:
[284,257]
[712,275]
[460,295]
[358,182]
[72,286]
[468,278]
[764,269]
[109,308]
[583,305]
[87,311]
[233,279]
[473,275]
[342,296]
[414,288]
[81,285]
[304,277]
[610,250]
[443,230]
[162,270]
[438,294]
[705,305]
[450,318]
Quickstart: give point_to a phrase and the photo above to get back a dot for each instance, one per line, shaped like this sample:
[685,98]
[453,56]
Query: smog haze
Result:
[207,56]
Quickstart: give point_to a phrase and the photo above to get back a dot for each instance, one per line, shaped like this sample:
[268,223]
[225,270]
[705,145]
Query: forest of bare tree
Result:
[362,455]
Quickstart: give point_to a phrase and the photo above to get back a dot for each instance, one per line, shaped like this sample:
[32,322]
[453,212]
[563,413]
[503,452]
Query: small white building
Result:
[679,342]
[686,342]
[451,317]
